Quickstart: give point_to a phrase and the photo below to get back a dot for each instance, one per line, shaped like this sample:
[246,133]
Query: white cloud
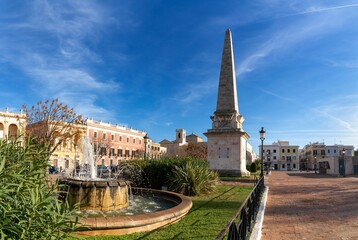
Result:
[318,9]
[60,79]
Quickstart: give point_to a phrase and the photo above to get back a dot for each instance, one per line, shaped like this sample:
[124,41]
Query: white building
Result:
[336,150]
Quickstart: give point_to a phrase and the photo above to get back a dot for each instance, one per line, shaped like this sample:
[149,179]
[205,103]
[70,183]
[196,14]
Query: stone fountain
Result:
[91,192]
[108,195]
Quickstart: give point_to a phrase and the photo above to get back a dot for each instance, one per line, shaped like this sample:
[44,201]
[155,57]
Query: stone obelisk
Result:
[226,139]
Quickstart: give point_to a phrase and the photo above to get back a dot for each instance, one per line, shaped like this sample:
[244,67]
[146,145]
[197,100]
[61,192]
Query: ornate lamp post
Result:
[75,160]
[343,170]
[315,164]
[145,145]
[262,138]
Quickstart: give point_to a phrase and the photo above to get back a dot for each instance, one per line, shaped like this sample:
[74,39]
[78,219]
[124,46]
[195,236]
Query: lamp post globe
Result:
[262,138]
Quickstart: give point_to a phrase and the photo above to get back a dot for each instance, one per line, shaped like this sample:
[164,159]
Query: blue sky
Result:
[154,65]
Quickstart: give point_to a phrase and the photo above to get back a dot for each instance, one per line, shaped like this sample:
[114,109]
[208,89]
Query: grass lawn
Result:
[251,177]
[208,216]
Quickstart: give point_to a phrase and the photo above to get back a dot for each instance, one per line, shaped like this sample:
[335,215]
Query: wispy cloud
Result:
[194,92]
[54,50]
[277,95]
[289,31]
[281,40]
[339,121]
[343,63]
[318,9]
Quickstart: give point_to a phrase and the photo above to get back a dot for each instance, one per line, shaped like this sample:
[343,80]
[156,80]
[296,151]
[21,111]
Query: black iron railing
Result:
[246,215]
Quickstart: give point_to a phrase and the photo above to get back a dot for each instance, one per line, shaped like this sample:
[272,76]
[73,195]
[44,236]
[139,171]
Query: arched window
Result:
[12,132]
[1,130]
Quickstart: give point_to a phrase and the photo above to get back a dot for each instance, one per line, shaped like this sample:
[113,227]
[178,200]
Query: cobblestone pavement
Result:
[305,205]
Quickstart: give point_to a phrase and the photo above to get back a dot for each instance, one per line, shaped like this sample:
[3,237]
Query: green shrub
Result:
[253,167]
[175,172]
[193,178]
[29,207]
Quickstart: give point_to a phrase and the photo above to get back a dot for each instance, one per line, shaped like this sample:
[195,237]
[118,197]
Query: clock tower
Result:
[226,139]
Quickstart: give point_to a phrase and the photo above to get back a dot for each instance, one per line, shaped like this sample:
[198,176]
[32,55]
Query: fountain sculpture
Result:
[91,192]
[108,195]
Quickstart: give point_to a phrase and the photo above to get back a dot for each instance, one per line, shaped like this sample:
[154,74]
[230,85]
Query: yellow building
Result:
[12,124]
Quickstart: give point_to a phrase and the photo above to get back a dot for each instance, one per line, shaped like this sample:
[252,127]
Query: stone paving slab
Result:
[305,205]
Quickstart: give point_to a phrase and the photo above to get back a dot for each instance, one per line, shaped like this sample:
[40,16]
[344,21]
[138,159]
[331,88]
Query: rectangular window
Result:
[133,153]
[328,151]
[104,135]
[314,152]
[335,151]
[283,165]
[268,151]
[119,152]
[274,151]
[288,150]
[112,137]
[111,153]
[120,138]
[274,157]
[127,139]
[283,157]
[103,151]
[293,157]
[140,141]
[127,153]
[294,150]
[133,140]
[283,150]
[323,152]
[95,134]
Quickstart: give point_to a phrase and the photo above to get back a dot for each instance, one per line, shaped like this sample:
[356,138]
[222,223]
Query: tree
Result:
[101,147]
[253,167]
[196,150]
[53,123]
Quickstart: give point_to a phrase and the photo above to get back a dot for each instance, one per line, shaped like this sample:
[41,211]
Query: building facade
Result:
[178,146]
[114,143]
[281,155]
[12,124]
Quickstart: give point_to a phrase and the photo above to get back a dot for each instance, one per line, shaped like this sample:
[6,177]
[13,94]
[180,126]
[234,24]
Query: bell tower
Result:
[226,139]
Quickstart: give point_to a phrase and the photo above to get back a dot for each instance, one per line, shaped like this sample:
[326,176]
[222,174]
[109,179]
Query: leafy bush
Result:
[193,178]
[29,208]
[253,167]
[167,172]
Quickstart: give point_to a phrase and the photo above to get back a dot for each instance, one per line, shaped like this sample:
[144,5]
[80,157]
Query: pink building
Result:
[114,143]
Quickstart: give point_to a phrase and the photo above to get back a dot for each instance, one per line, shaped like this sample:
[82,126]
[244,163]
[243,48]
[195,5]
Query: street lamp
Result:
[268,162]
[343,170]
[145,145]
[75,159]
[315,164]
[262,138]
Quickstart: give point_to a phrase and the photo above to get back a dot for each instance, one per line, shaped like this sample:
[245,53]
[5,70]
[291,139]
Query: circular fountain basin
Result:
[96,194]
[126,224]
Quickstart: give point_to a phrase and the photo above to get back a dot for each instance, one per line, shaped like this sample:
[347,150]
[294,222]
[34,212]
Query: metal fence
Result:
[246,215]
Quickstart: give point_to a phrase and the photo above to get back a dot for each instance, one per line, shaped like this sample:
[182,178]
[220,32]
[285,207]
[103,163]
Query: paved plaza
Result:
[305,205]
